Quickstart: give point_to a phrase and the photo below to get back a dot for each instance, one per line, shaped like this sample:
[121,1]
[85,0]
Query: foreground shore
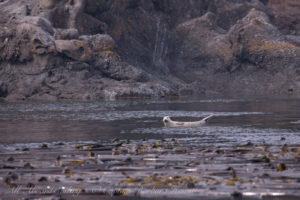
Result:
[149,168]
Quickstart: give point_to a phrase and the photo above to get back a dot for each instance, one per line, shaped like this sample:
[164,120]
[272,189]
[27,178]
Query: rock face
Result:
[95,49]
[286,15]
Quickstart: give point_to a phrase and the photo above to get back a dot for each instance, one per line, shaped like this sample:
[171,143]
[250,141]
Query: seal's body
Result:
[170,123]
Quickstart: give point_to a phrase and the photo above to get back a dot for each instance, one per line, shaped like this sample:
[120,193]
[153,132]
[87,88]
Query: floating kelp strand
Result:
[158,165]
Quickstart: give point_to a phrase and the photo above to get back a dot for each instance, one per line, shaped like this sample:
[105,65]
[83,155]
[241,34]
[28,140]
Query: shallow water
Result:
[236,121]
[79,149]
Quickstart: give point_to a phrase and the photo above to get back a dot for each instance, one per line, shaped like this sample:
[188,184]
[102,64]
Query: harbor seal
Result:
[170,123]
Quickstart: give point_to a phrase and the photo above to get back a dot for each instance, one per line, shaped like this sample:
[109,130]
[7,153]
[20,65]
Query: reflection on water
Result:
[236,122]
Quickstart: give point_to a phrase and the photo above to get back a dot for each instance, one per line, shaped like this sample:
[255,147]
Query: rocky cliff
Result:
[95,49]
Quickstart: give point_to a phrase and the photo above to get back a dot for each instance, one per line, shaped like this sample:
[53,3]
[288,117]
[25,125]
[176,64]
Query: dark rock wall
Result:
[93,49]
[286,15]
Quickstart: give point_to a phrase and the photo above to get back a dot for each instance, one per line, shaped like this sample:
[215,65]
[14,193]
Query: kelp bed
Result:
[149,168]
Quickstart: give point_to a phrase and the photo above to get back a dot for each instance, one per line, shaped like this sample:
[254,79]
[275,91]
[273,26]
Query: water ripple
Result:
[219,135]
[116,115]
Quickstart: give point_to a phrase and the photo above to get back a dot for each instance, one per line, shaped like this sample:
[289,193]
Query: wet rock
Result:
[40,22]
[75,49]
[98,42]
[118,143]
[10,159]
[28,166]
[200,44]
[253,40]
[237,195]
[112,67]
[271,166]
[32,36]
[66,34]
[220,151]
[265,159]
[119,192]
[129,159]
[30,185]
[115,140]
[265,175]
[249,144]
[13,176]
[236,11]
[295,150]
[86,47]
[229,168]
[7,167]
[67,171]
[42,179]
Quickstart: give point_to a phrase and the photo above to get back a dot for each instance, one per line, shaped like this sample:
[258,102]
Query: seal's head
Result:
[166,120]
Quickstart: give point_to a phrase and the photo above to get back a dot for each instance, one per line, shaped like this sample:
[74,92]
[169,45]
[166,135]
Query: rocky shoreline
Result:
[93,49]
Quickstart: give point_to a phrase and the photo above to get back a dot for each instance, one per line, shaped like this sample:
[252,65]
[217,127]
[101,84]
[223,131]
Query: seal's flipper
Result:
[207,118]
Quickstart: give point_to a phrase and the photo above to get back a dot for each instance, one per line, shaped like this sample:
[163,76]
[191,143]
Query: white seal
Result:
[170,123]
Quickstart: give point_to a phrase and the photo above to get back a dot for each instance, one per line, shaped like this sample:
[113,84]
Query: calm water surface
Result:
[236,121]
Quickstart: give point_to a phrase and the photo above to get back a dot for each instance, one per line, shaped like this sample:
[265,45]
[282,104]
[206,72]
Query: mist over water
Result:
[235,121]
